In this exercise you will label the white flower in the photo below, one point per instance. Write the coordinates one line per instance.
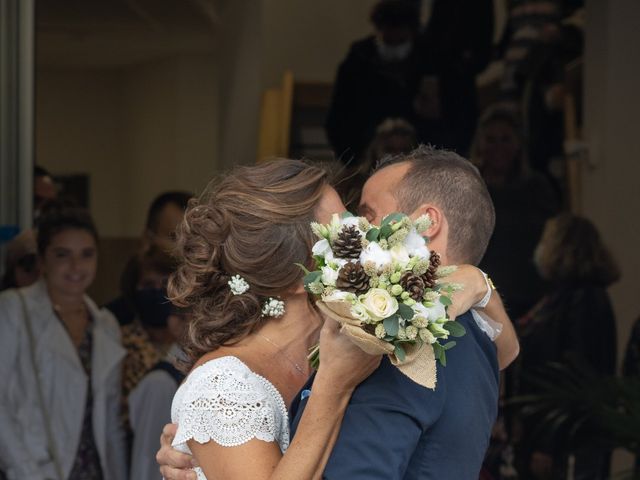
(436, 312)
(238, 285)
(339, 296)
(400, 254)
(416, 245)
(359, 311)
(427, 337)
(273, 308)
(380, 331)
(412, 332)
(438, 330)
(374, 253)
(420, 321)
(321, 248)
(379, 303)
(329, 276)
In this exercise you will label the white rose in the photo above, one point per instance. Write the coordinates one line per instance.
(321, 248)
(379, 303)
(329, 276)
(374, 253)
(400, 254)
(359, 311)
(416, 245)
(430, 313)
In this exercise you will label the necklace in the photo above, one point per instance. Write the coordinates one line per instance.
(281, 352)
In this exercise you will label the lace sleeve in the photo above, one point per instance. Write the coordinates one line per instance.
(223, 402)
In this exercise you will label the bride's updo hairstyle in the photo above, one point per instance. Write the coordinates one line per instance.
(253, 222)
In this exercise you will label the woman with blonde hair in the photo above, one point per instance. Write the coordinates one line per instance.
(575, 319)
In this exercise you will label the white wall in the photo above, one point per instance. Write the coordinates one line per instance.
(136, 131)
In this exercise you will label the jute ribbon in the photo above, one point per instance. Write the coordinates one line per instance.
(419, 363)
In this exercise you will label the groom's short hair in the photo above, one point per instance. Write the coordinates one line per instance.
(452, 183)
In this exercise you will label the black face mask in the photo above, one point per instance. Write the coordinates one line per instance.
(153, 307)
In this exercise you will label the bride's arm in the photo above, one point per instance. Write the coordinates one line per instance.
(475, 288)
(305, 458)
(343, 366)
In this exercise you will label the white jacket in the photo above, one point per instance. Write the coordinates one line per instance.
(23, 439)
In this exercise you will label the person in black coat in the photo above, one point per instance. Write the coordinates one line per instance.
(377, 80)
(455, 46)
(575, 320)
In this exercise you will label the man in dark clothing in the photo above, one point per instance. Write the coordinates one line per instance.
(455, 46)
(376, 81)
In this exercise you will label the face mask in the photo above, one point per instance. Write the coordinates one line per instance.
(393, 53)
(153, 307)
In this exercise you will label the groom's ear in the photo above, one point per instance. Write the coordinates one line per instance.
(438, 220)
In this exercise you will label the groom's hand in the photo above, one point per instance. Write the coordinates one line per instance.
(174, 465)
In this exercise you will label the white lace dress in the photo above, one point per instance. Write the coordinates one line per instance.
(223, 401)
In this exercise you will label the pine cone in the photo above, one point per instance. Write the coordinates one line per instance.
(413, 284)
(430, 277)
(348, 244)
(352, 278)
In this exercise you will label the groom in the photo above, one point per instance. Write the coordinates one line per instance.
(394, 428)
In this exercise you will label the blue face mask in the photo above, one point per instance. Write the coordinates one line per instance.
(152, 306)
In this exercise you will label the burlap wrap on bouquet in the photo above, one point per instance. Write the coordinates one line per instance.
(420, 362)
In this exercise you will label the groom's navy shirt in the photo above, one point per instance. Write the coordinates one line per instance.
(394, 428)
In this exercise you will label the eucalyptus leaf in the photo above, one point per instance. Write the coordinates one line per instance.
(455, 329)
(372, 235)
(385, 231)
(449, 345)
(400, 353)
(405, 311)
(347, 215)
(446, 301)
(392, 218)
(312, 277)
(391, 325)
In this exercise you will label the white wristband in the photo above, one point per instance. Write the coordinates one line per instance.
(487, 296)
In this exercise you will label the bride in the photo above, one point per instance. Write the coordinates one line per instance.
(252, 327)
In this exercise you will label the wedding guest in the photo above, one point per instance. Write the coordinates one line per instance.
(21, 263)
(60, 360)
(164, 214)
(146, 338)
(394, 136)
(44, 190)
(149, 402)
(376, 80)
(456, 45)
(575, 319)
(523, 200)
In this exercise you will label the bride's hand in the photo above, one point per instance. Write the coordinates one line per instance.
(174, 465)
(473, 291)
(343, 365)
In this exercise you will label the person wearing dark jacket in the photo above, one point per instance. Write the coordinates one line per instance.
(455, 46)
(575, 319)
(376, 80)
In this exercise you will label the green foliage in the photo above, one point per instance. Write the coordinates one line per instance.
(310, 278)
(455, 329)
(373, 234)
(391, 325)
(405, 311)
(399, 352)
(446, 301)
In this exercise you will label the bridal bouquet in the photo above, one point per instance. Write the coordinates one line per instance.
(386, 289)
